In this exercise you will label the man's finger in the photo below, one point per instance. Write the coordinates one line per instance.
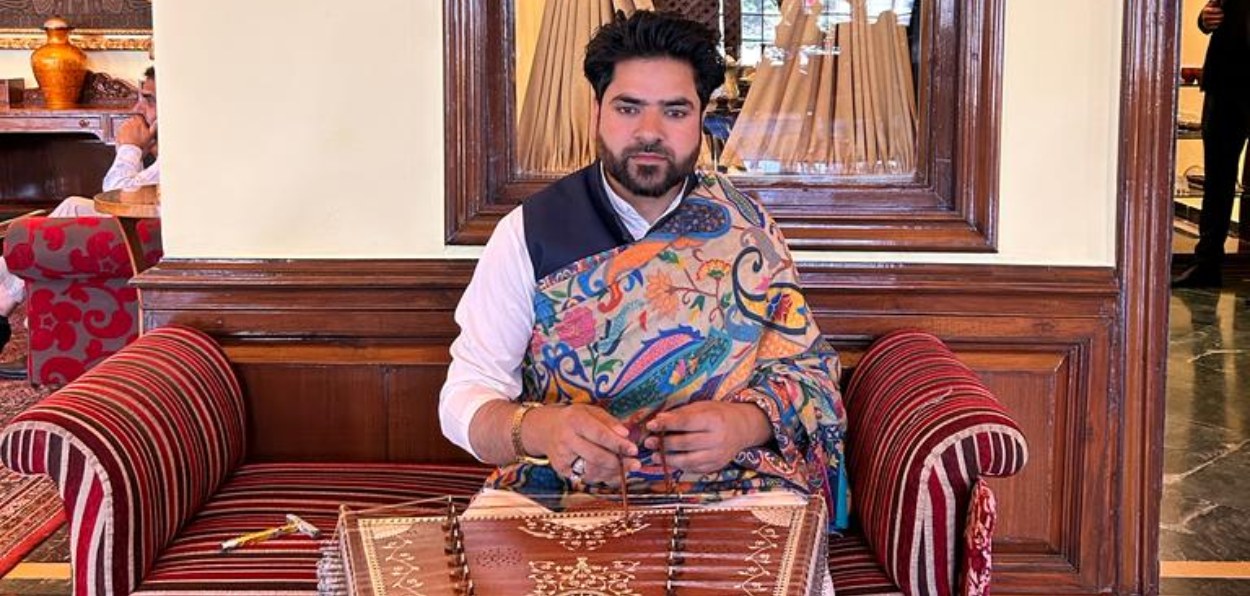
(608, 434)
(609, 421)
(611, 476)
(687, 419)
(680, 442)
(600, 465)
(669, 422)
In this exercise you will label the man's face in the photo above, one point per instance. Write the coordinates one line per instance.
(146, 105)
(649, 125)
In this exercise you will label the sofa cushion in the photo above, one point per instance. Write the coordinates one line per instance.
(258, 496)
(855, 570)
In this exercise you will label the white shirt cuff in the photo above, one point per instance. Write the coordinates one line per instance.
(456, 419)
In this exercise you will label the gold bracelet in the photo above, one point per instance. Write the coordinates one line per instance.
(518, 447)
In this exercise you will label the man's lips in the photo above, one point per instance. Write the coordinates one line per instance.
(649, 157)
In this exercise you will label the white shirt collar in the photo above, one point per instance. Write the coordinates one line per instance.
(637, 225)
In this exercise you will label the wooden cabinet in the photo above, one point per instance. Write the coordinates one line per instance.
(98, 122)
(47, 155)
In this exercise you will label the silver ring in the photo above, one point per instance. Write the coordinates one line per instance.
(578, 467)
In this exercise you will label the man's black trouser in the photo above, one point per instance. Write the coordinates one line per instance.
(1225, 126)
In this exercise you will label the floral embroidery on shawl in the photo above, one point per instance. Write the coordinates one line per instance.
(706, 306)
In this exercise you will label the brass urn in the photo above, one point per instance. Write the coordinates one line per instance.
(59, 66)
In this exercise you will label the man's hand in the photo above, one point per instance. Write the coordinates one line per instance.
(1212, 16)
(564, 434)
(704, 437)
(134, 131)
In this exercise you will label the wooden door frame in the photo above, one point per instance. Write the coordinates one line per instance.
(1144, 247)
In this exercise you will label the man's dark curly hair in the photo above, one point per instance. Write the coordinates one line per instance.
(648, 34)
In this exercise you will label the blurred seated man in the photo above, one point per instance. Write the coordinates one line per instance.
(135, 165)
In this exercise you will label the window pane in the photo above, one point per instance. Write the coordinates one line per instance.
(821, 89)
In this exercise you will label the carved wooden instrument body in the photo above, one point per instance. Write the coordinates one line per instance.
(775, 550)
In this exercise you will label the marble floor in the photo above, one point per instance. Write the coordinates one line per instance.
(1204, 535)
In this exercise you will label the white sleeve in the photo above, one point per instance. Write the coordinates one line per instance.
(496, 316)
(128, 172)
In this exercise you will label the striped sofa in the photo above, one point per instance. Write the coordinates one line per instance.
(148, 450)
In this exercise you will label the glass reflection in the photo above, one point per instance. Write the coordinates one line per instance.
(813, 88)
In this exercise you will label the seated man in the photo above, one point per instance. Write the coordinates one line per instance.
(637, 306)
(136, 145)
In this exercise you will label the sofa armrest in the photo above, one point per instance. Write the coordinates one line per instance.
(73, 248)
(923, 430)
(135, 446)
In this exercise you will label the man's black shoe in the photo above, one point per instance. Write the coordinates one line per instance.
(13, 371)
(1199, 276)
(5, 332)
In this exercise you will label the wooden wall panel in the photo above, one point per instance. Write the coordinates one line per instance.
(1036, 388)
(310, 412)
(412, 407)
(1040, 509)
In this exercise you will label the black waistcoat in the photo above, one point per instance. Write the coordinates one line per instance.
(570, 220)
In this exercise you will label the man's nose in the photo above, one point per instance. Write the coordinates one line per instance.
(649, 126)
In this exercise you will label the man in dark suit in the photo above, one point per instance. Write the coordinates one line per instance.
(1225, 126)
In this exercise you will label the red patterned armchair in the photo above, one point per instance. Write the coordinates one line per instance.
(148, 450)
(80, 306)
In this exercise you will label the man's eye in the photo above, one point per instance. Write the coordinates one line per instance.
(627, 110)
(677, 113)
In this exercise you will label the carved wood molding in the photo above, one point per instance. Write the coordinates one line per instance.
(951, 205)
(99, 89)
(138, 40)
(212, 275)
(412, 300)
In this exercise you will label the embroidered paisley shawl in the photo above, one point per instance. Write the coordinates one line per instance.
(706, 306)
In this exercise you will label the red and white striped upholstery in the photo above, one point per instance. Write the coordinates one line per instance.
(136, 446)
(258, 496)
(923, 430)
(148, 451)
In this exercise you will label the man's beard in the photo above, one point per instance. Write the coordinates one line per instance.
(653, 180)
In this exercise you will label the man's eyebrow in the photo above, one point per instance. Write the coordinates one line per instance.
(668, 103)
(682, 102)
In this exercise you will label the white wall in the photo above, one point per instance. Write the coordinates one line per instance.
(316, 131)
